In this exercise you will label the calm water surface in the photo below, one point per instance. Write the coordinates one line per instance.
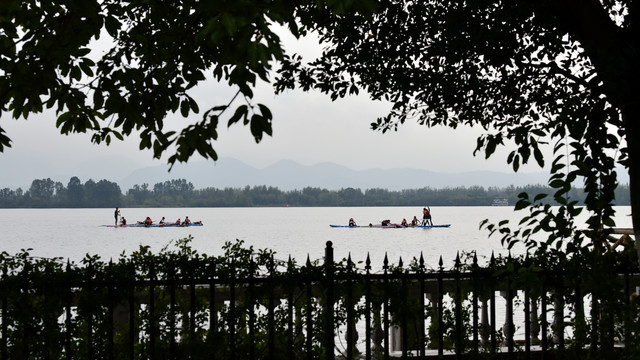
(299, 232)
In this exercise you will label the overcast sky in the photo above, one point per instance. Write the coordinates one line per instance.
(308, 128)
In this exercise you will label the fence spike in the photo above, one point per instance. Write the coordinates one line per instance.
(386, 261)
(458, 259)
(400, 262)
(308, 263)
(289, 264)
(475, 259)
(367, 263)
(421, 264)
(493, 259)
(440, 263)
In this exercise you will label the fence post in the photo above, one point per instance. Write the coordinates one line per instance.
(458, 303)
(421, 335)
(110, 307)
(5, 312)
(91, 295)
(509, 327)
(558, 313)
(152, 311)
(474, 277)
(271, 311)
(232, 309)
(440, 309)
(309, 288)
(172, 308)
(527, 314)
(367, 313)
(404, 334)
(330, 332)
(385, 307)
(213, 315)
(492, 304)
(543, 318)
(67, 308)
(132, 309)
(352, 335)
(252, 314)
(290, 308)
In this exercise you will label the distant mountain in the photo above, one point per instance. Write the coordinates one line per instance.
(289, 175)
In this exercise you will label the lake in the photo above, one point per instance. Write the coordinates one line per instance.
(298, 232)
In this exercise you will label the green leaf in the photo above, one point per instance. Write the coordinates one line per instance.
(609, 222)
(63, 119)
(98, 99)
(5, 142)
(539, 197)
(241, 111)
(266, 113)
(537, 154)
(112, 25)
(86, 67)
(257, 127)
(76, 73)
(194, 105)
(556, 184)
(490, 149)
(521, 204)
(184, 108)
(516, 163)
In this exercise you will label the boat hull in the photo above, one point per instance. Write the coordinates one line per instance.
(155, 225)
(392, 226)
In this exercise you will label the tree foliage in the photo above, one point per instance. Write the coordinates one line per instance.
(529, 73)
(562, 72)
(157, 51)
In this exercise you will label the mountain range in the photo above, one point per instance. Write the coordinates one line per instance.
(290, 175)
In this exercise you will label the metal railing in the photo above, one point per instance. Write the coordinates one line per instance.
(203, 308)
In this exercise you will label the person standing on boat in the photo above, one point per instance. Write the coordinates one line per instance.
(116, 214)
(426, 216)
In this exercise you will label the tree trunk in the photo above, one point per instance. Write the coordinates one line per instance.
(633, 146)
(613, 52)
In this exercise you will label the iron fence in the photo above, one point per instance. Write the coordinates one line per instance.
(206, 308)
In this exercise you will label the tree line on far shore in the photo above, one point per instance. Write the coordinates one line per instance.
(46, 193)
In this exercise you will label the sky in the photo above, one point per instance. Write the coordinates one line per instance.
(307, 128)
